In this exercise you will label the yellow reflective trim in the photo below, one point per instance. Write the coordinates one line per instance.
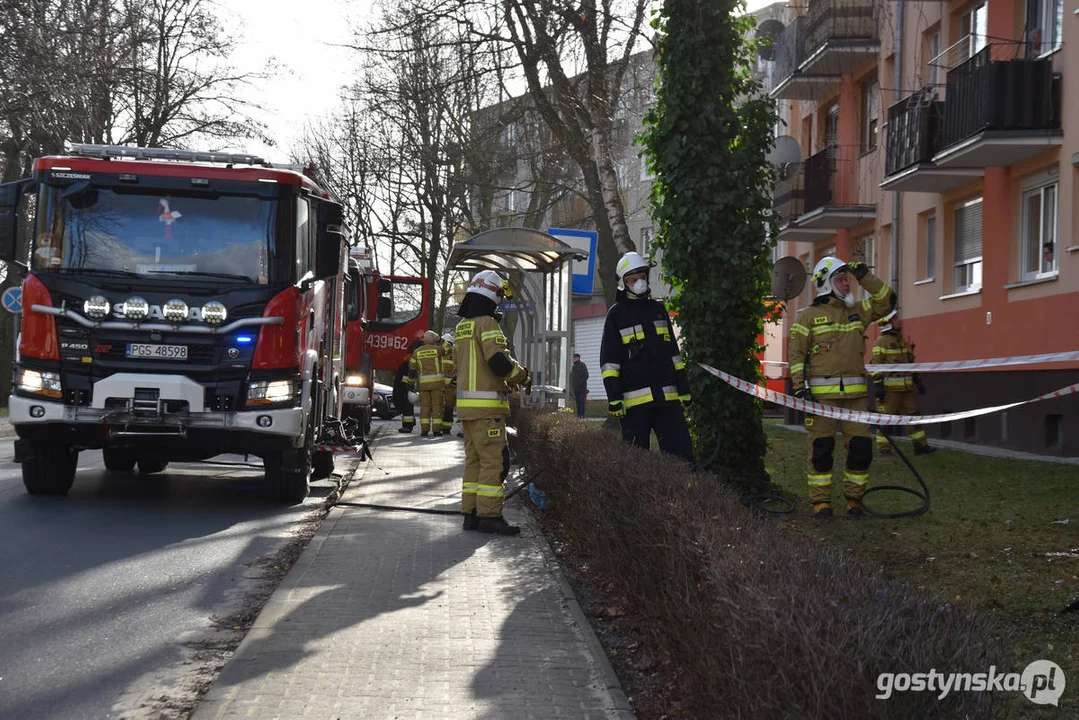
(801, 329)
(878, 350)
(627, 339)
(882, 293)
(671, 396)
(797, 367)
(483, 404)
(490, 490)
(819, 478)
(611, 373)
(490, 334)
(856, 478)
(638, 401)
(464, 329)
(469, 487)
(678, 364)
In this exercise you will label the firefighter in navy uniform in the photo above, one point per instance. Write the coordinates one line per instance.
(827, 356)
(486, 374)
(643, 371)
(402, 383)
(895, 390)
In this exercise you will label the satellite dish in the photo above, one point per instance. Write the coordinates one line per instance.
(767, 32)
(788, 278)
(787, 151)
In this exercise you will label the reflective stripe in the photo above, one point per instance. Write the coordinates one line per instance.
(882, 293)
(678, 362)
(856, 478)
(611, 369)
(440, 376)
(887, 351)
(491, 334)
(897, 382)
(504, 404)
(469, 487)
(662, 329)
(671, 395)
(819, 478)
(481, 394)
(797, 367)
(838, 327)
(817, 381)
(686, 398)
(490, 490)
(838, 390)
(919, 435)
(800, 329)
(637, 397)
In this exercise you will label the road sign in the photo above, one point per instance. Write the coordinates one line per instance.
(12, 300)
(584, 271)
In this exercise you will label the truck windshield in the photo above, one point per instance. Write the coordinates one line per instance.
(83, 228)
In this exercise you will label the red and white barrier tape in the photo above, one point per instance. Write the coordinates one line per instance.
(975, 364)
(339, 448)
(863, 416)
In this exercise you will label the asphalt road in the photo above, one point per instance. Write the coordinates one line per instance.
(105, 593)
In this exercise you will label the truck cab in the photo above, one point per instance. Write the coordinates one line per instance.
(177, 306)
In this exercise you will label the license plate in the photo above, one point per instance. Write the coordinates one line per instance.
(157, 352)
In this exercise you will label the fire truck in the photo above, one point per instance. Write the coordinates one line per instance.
(394, 312)
(177, 305)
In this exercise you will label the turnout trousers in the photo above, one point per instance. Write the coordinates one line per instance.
(431, 408)
(667, 420)
(486, 466)
(901, 403)
(822, 444)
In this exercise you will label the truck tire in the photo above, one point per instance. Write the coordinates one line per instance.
(50, 469)
(288, 475)
(321, 465)
(149, 464)
(118, 459)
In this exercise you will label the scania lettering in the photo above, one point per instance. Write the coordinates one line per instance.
(176, 306)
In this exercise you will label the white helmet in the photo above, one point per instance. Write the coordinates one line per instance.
(628, 263)
(430, 336)
(490, 285)
(826, 268)
(886, 321)
(448, 337)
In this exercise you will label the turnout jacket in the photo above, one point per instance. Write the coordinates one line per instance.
(827, 345)
(427, 363)
(481, 355)
(639, 356)
(891, 349)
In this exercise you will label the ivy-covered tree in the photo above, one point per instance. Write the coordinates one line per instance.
(707, 140)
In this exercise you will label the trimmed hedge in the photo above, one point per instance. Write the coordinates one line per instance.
(759, 619)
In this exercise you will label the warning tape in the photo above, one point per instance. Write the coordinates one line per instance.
(339, 448)
(863, 416)
(972, 364)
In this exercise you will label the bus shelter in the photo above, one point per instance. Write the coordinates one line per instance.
(537, 319)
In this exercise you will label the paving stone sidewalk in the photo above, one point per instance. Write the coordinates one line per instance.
(391, 614)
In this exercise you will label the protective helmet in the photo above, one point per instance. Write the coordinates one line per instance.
(630, 262)
(448, 337)
(430, 336)
(886, 321)
(490, 285)
(826, 268)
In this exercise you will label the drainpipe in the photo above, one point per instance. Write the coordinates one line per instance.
(897, 196)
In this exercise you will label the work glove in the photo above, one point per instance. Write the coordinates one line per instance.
(803, 393)
(615, 409)
(857, 269)
(919, 384)
(527, 382)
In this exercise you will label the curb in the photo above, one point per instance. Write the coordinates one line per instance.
(621, 707)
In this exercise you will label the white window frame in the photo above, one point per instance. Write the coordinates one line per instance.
(966, 274)
(1050, 21)
(976, 20)
(930, 249)
(933, 52)
(870, 113)
(647, 234)
(1047, 232)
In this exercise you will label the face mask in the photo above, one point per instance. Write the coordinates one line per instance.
(848, 300)
(639, 287)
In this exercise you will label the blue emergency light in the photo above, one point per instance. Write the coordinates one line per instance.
(244, 339)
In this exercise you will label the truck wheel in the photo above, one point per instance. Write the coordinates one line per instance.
(151, 464)
(287, 475)
(321, 465)
(50, 469)
(118, 459)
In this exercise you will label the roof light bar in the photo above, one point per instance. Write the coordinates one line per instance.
(121, 151)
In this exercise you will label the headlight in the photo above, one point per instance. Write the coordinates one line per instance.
(214, 313)
(96, 307)
(39, 383)
(136, 308)
(175, 311)
(266, 392)
(354, 380)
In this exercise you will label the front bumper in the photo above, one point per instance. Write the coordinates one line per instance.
(355, 395)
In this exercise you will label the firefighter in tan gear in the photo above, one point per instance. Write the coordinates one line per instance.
(486, 374)
(895, 390)
(450, 395)
(827, 357)
(427, 363)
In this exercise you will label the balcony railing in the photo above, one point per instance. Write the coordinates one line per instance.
(828, 177)
(839, 20)
(788, 201)
(915, 131)
(790, 49)
(994, 90)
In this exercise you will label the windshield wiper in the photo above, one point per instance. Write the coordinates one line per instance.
(227, 276)
(95, 271)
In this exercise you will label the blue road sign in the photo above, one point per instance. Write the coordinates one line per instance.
(12, 299)
(584, 271)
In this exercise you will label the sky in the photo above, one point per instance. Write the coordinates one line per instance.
(303, 37)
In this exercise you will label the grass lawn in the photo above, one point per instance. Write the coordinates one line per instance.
(994, 538)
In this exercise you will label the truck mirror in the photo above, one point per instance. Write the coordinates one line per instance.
(328, 255)
(352, 298)
(10, 194)
(385, 307)
(384, 286)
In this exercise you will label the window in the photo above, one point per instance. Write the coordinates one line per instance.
(967, 255)
(646, 241)
(870, 113)
(1045, 26)
(305, 225)
(1038, 239)
(929, 252)
(973, 29)
(932, 51)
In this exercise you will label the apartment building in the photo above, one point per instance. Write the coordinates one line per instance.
(940, 145)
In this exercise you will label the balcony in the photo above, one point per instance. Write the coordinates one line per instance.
(1000, 109)
(835, 38)
(915, 135)
(820, 197)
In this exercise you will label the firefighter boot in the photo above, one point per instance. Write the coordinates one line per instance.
(925, 449)
(471, 521)
(822, 512)
(855, 508)
(498, 526)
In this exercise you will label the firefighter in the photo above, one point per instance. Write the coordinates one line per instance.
(487, 373)
(643, 371)
(827, 356)
(426, 363)
(450, 372)
(402, 384)
(895, 391)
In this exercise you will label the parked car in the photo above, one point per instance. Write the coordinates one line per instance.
(382, 404)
